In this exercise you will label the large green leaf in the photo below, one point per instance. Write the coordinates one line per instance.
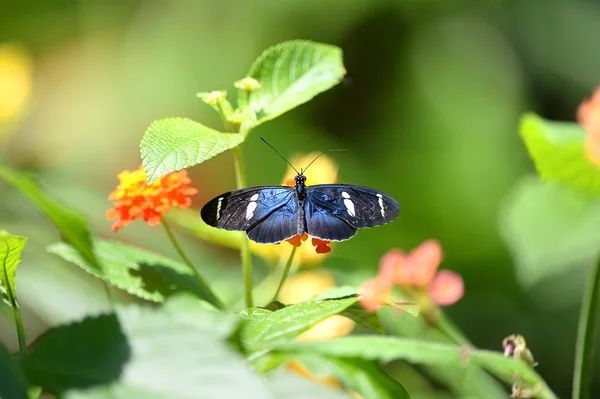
(10, 256)
(356, 374)
(179, 351)
(141, 273)
(291, 321)
(557, 149)
(549, 228)
(12, 379)
(280, 386)
(290, 74)
(71, 225)
(416, 351)
(93, 351)
(177, 143)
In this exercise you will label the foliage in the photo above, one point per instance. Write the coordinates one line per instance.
(171, 336)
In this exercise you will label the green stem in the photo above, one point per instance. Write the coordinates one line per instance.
(20, 331)
(286, 272)
(588, 325)
(448, 328)
(12, 298)
(245, 252)
(212, 297)
(225, 120)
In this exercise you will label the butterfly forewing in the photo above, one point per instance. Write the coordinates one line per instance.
(244, 209)
(357, 206)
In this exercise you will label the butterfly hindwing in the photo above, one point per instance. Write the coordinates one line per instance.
(279, 225)
(324, 223)
(246, 208)
(357, 206)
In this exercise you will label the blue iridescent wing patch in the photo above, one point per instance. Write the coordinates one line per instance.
(247, 208)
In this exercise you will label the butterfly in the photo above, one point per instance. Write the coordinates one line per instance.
(272, 214)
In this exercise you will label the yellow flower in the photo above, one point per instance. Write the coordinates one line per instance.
(322, 171)
(15, 80)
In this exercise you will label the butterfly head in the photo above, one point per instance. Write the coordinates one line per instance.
(300, 180)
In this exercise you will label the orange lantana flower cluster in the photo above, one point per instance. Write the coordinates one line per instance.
(588, 115)
(417, 269)
(134, 199)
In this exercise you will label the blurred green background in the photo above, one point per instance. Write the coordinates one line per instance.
(429, 112)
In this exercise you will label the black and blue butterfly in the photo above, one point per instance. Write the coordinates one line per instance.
(271, 214)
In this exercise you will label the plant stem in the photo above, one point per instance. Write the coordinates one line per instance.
(20, 331)
(245, 252)
(286, 272)
(213, 298)
(224, 119)
(12, 298)
(17, 316)
(586, 333)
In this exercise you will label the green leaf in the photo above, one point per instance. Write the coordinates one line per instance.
(291, 321)
(173, 144)
(77, 355)
(548, 228)
(290, 74)
(358, 375)
(179, 351)
(12, 380)
(420, 352)
(557, 149)
(141, 273)
(71, 225)
(10, 256)
(281, 385)
(255, 313)
(358, 313)
(363, 317)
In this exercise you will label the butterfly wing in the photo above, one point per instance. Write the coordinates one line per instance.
(266, 213)
(334, 211)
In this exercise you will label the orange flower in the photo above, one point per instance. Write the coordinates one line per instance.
(134, 199)
(588, 115)
(417, 269)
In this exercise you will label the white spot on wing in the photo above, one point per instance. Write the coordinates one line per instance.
(254, 197)
(250, 210)
(349, 206)
(219, 204)
(381, 204)
(345, 194)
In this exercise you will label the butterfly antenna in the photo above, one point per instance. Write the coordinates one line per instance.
(282, 157)
(318, 156)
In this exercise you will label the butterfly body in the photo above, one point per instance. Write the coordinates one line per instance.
(271, 214)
